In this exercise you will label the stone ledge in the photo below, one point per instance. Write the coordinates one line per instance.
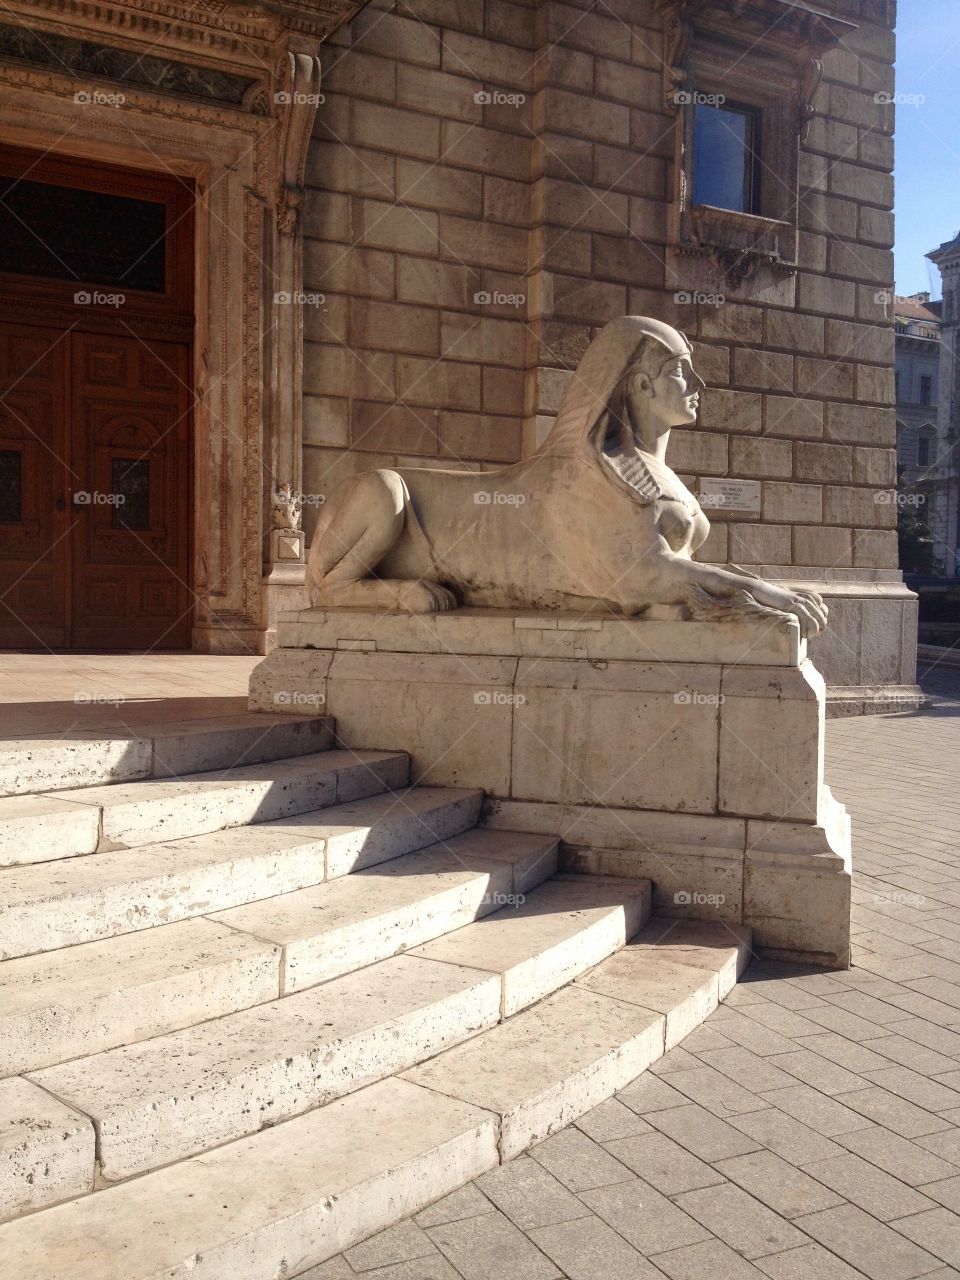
(501, 633)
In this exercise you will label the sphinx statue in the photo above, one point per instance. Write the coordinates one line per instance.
(594, 520)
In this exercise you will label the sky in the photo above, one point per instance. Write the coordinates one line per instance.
(927, 139)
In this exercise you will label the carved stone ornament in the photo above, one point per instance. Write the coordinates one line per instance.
(287, 509)
(594, 520)
(209, 49)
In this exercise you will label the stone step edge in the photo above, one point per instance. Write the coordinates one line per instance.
(514, 879)
(163, 751)
(556, 971)
(620, 1065)
(88, 818)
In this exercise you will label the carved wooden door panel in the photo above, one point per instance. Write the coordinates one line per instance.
(130, 455)
(34, 520)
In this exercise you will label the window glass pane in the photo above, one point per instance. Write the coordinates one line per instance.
(11, 486)
(130, 489)
(724, 157)
(923, 451)
(65, 233)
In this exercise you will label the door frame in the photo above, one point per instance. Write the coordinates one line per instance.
(247, 166)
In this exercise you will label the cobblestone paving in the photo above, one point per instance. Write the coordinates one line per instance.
(809, 1130)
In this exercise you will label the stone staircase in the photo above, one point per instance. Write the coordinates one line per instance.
(260, 997)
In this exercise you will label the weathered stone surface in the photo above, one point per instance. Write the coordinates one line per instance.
(158, 809)
(549, 937)
(191, 1090)
(46, 1149)
(359, 919)
(91, 997)
(41, 828)
(79, 900)
(264, 1204)
(592, 1046)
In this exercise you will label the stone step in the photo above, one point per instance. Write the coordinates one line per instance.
(164, 809)
(47, 1150)
(60, 904)
(77, 998)
(182, 1093)
(294, 1194)
(92, 997)
(364, 833)
(550, 936)
(92, 757)
(354, 921)
(269, 1205)
(548, 1065)
(680, 968)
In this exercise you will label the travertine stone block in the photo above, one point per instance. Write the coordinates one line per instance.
(606, 722)
(46, 1149)
(594, 1046)
(417, 1146)
(771, 763)
(817, 545)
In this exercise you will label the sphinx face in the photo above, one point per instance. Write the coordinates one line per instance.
(672, 398)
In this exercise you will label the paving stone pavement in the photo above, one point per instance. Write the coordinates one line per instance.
(809, 1130)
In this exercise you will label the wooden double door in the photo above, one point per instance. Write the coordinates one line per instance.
(94, 490)
(95, 399)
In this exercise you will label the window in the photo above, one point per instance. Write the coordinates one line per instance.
(923, 451)
(926, 389)
(726, 157)
(93, 237)
(741, 79)
(896, 385)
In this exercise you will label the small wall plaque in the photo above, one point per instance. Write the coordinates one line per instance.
(718, 495)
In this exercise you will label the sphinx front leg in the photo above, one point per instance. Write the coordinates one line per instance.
(354, 534)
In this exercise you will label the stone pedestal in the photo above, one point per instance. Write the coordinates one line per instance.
(690, 753)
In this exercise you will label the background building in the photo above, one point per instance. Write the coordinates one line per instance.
(945, 470)
(475, 190)
(917, 330)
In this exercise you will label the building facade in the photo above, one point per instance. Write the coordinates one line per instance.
(407, 220)
(917, 339)
(944, 479)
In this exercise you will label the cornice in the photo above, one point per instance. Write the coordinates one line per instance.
(241, 38)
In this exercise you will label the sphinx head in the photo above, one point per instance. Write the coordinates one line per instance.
(660, 388)
(637, 378)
